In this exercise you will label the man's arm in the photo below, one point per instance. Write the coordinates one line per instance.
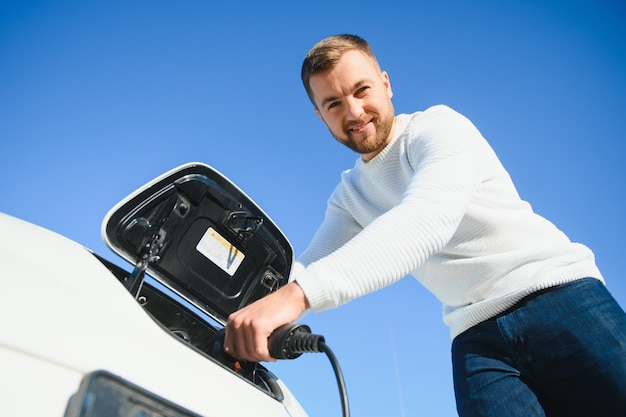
(248, 329)
(448, 160)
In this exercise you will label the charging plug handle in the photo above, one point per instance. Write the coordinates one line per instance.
(292, 340)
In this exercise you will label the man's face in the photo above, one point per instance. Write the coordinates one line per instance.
(354, 101)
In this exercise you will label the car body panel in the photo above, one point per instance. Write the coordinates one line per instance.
(65, 315)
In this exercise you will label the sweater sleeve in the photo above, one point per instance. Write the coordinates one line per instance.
(336, 230)
(444, 151)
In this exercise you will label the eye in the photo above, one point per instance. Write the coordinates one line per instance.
(332, 105)
(361, 90)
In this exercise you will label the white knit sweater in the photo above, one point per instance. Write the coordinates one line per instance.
(436, 203)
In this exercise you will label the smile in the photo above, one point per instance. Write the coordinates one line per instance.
(360, 127)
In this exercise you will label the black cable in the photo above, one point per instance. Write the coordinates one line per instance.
(339, 375)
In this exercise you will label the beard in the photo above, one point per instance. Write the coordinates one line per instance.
(372, 142)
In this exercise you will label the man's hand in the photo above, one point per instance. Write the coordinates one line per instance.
(249, 328)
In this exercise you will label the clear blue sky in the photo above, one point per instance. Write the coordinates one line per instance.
(97, 98)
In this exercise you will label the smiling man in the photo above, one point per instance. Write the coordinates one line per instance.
(354, 101)
(535, 331)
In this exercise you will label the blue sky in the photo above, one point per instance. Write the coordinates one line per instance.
(97, 98)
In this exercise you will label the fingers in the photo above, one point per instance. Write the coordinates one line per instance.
(247, 337)
(248, 329)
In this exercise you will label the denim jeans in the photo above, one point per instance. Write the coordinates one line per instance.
(558, 353)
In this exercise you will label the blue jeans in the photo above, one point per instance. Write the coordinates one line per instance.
(559, 352)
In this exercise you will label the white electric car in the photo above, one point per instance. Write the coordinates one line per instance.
(80, 336)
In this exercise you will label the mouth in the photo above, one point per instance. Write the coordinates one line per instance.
(357, 129)
(361, 126)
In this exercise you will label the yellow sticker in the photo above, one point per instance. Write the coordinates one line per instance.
(220, 251)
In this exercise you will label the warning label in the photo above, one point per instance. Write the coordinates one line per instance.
(220, 251)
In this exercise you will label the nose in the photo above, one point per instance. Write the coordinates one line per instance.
(354, 108)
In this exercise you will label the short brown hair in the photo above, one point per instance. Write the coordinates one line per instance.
(327, 52)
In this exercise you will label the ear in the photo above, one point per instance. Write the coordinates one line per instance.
(319, 114)
(385, 78)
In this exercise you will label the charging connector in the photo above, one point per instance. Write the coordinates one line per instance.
(292, 340)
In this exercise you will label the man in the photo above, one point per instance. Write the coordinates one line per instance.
(535, 332)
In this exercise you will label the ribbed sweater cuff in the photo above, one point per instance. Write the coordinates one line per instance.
(317, 295)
